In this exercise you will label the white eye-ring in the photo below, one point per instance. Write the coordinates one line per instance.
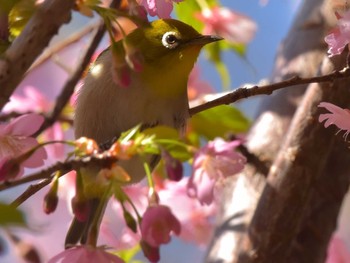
(170, 40)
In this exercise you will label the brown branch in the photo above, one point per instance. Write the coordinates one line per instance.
(51, 50)
(37, 34)
(243, 93)
(291, 181)
(69, 87)
(48, 174)
(31, 190)
(63, 167)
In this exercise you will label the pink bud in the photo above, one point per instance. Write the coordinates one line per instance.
(173, 167)
(81, 208)
(133, 57)
(9, 169)
(152, 253)
(50, 202)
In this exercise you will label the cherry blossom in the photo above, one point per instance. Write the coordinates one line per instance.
(337, 116)
(214, 161)
(34, 101)
(337, 251)
(196, 220)
(157, 224)
(85, 254)
(114, 230)
(232, 26)
(196, 86)
(15, 140)
(339, 37)
(160, 8)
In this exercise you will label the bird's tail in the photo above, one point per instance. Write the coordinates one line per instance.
(79, 230)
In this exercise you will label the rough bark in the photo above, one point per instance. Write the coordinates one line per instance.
(30, 44)
(293, 176)
(300, 54)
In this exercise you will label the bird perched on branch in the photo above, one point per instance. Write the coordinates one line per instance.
(142, 79)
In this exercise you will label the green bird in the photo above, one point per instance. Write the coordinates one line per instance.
(156, 94)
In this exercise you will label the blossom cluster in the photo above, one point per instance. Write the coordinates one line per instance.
(181, 206)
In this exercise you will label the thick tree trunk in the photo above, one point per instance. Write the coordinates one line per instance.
(293, 177)
(300, 54)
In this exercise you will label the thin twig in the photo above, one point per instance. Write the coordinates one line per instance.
(64, 167)
(48, 174)
(69, 87)
(51, 50)
(35, 37)
(31, 190)
(242, 93)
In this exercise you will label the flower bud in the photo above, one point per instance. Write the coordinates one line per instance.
(81, 208)
(9, 168)
(86, 145)
(50, 202)
(51, 198)
(120, 70)
(152, 253)
(123, 151)
(133, 57)
(173, 167)
(130, 221)
(138, 10)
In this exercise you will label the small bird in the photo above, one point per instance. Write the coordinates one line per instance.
(155, 95)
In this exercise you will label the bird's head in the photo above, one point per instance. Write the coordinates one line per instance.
(167, 41)
(169, 48)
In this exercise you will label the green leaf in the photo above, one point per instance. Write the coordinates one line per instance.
(169, 139)
(185, 12)
(219, 121)
(162, 132)
(20, 15)
(214, 53)
(128, 254)
(10, 216)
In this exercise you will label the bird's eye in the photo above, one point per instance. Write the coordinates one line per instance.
(170, 40)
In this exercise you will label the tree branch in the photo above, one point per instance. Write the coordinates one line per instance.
(292, 180)
(43, 25)
(242, 93)
(69, 87)
(51, 50)
(48, 174)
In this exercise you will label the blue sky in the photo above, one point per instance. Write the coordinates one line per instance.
(273, 22)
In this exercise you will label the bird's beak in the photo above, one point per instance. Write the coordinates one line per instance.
(202, 40)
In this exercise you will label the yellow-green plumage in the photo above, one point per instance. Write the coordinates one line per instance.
(156, 95)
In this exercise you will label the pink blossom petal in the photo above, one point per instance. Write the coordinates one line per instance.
(232, 26)
(197, 222)
(339, 37)
(202, 187)
(85, 254)
(337, 251)
(215, 160)
(157, 224)
(331, 107)
(160, 8)
(164, 8)
(338, 116)
(26, 125)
